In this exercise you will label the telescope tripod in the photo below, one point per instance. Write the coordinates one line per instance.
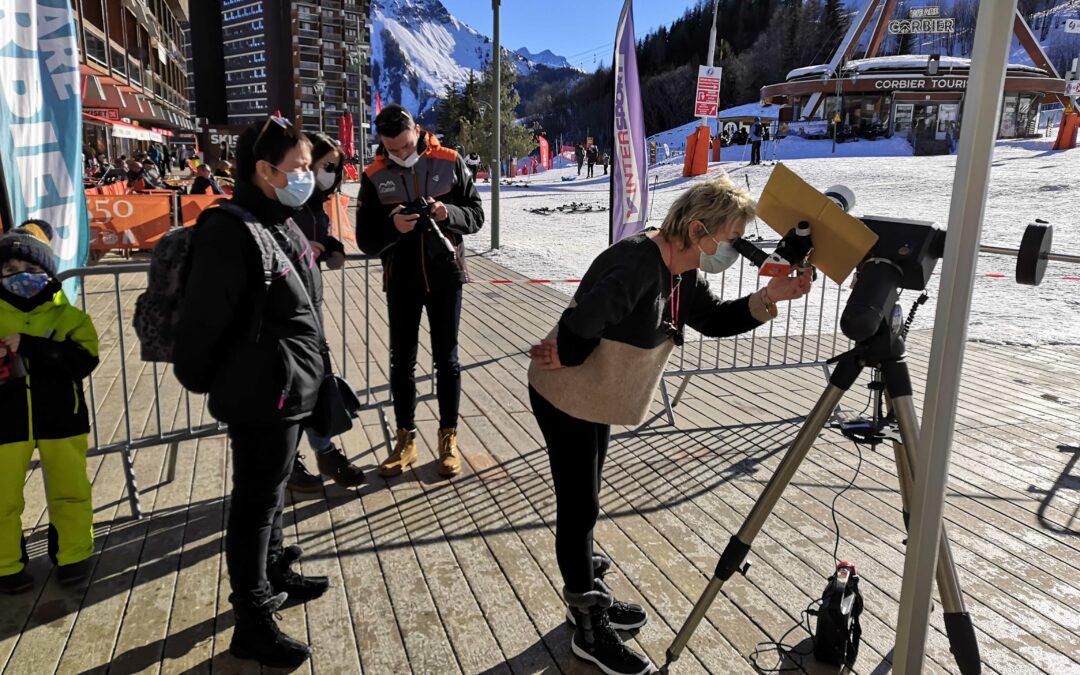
(885, 351)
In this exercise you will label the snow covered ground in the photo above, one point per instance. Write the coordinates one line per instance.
(1028, 181)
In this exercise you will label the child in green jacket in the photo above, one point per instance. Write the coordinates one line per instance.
(47, 348)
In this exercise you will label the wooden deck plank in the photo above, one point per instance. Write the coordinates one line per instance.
(426, 641)
(376, 634)
(809, 486)
(460, 576)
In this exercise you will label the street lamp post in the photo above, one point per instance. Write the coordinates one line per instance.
(320, 88)
(497, 121)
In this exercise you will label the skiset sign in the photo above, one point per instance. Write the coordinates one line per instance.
(707, 97)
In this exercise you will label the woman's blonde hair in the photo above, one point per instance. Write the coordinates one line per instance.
(713, 202)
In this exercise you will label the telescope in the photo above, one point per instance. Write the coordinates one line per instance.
(903, 258)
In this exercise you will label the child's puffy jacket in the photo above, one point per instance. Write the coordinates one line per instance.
(59, 348)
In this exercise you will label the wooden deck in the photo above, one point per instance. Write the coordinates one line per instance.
(433, 576)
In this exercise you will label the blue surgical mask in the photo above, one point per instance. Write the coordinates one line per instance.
(25, 284)
(298, 190)
(725, 257)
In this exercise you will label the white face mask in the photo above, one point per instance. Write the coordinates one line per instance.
(324, 179)
(408, 162)
(725, 257)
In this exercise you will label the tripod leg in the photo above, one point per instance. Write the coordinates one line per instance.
(958, 626)
(731, 560)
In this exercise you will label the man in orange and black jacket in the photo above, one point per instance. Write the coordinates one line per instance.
(417, 201)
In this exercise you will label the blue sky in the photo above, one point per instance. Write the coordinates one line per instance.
(581, 30)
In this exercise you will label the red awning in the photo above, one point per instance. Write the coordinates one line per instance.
(124, 130)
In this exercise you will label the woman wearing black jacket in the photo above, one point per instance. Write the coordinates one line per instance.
(601, 366)
(328, 166)
(256, 348)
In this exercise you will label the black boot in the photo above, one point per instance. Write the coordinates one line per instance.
(621, 615)
(21, 581)
(335, 465)
(258, 638)
(596, 641)
(601, 564)
(283, 579)
(69, 575)
(302, 480)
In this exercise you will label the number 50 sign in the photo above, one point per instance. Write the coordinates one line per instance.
(138, 218)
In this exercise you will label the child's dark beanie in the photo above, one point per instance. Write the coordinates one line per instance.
(31, 242)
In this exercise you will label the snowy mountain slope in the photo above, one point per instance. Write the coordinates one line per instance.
(546, 58)
(418, 47)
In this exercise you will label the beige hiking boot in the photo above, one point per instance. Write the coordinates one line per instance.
(404, 454)
(449, 462)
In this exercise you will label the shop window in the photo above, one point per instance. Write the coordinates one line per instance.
(1007, 127)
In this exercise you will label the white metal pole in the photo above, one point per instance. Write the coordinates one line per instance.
(712, 50)
(712, 36)
(497, 121)
(982, 109)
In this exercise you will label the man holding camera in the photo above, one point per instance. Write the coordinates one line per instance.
(417, 201)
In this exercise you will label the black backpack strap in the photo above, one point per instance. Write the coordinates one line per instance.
(271, 259)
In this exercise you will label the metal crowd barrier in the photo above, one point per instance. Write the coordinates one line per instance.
(137, 405)
(142, 405)
(805, 335)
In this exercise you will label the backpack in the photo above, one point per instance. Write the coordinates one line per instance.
(157, 309)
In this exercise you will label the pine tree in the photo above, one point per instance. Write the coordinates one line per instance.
(476, 130)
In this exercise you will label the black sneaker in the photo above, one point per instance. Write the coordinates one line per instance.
(20, 582)
(258, 638)
(283, 579)
(621, 616)
(596, 641)
(69, 575)
(302, 480)
(335, 465)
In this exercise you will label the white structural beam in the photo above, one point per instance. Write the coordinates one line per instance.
(982, 106)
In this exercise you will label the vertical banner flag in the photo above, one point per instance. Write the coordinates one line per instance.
(41, 123)
(545, 153)
(629, 180)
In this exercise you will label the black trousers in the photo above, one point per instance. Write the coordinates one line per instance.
(262, 458)
(443, 307)
(755, 152)
(576, 450)
(590, 173)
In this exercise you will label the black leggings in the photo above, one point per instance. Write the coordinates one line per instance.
(576, 450)
(262, 459)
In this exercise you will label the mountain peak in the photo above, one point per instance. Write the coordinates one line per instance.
(545, 58)
(419, 48)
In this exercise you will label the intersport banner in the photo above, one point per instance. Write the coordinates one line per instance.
(629, 182)
(41, 123)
